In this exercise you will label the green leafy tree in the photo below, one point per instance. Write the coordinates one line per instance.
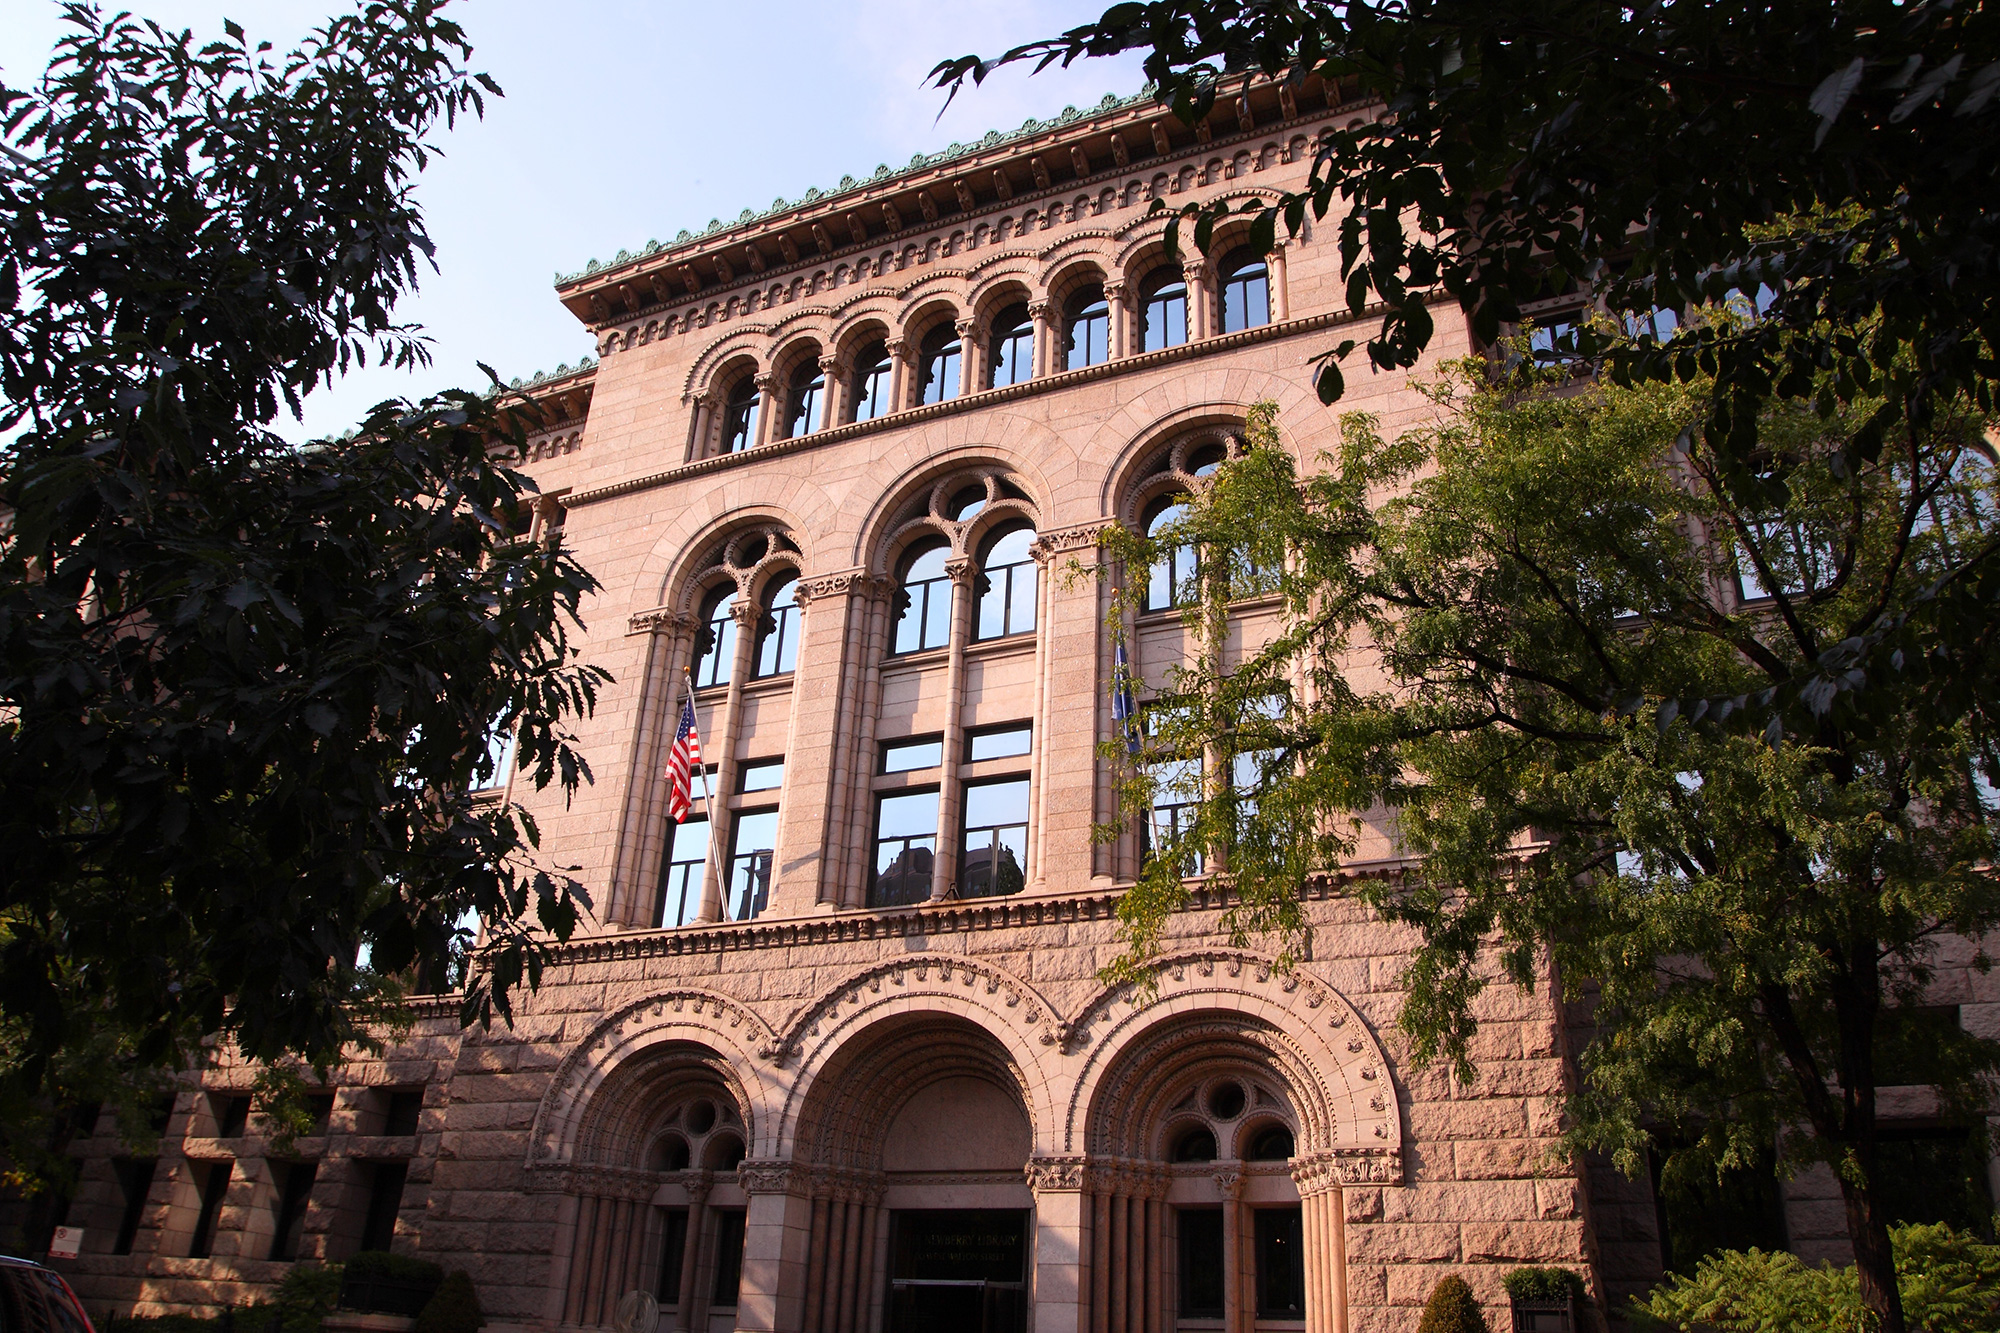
(249, 692)
(1501, 642)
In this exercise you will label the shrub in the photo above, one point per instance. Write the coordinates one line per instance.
(306, 1296)
(455, 1308)
(1950, 1283)
(378, 1282)
(1452, 1308)
(1548, 1286)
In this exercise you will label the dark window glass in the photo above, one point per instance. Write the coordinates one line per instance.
(924, 603)
(755, 840)
(135, 1183)
(994, 855)
(1087, 331)
(1007, 585)
(321, 1106)
(1246, 292)
(1700, 1212)
(762, 775)
(873, 375)
(1553, 340)
(232, 1114)
(1270, 1144)
(385, 1201)
(1013, 356)
(909, 756)
(1281, 1266)
(215, 1185)
(728, 1256)
(716, 648)
(405, 1108)
(939, 365)
(673, 1253)
(1170, 582)
(905, 848)
(1196, 1145)
(1176, 803)
(1164, 312)
(999, 742)
(808, 396)
(739, 417)
(1201, 1263)
(680, 887)
(294, 1194)
(1933, 1175)
(778, 636)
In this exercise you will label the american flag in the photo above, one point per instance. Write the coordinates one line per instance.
(681, 762)
(1124, 712)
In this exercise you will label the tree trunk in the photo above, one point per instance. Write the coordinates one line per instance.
(1874, 1260)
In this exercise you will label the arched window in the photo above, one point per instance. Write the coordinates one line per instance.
(1170, 581)
(1087, 329)
(1246, 291)
(924, 600)
(739, 417)
(716, 648)
(778, 636)
(1013, 350)
(872, 376)
(942, 353)
(1164, 311)
(1007, 584)
(808, 395)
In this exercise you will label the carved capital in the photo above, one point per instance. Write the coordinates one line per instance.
(1064, 540)
(1060, 1174)
(1115, 289)
(747, 615)
(1331, 1168)
(1038, 309)
(770, 1176)
(898, 346)
(832, 365)
(961, 570)
(847, 583)
(663, 621)
(1229, 1180)
(964, 327)
(767, 382)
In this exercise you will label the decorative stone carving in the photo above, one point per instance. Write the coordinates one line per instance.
(665, 620)
(1046, 1174)
(1041, 170)
(769, 1176)
(1061, 541)
(1002, 186)
(1080, 160)
(928, 205)
(965, 199)
(891, 217)
(1006, 995)
(1229, 1180)
(1161, 144)
(755, 256)
(857, 229)
(822, 238)
(1119, 152)
(788, 248)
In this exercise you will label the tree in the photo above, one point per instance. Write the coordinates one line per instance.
(1559, 580)
(249, 692)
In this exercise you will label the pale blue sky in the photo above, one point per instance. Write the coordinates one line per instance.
(625, 122)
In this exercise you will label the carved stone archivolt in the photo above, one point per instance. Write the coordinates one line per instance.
(996, 990)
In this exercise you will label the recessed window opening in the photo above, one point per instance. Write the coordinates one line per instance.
(1163, 311)
(778, 636)
(673, 1254)
(680, 886)
(1001, 742)
(752, 846)
(1226, 1100)
(1195, 1145)
(403, 1111)
(924, 603)
(715, 648)
(214, 1185)
(294, 1196)
(1171, 580)
(939, 368)
(1007, 584)
(1177, 790)
(1281, 1268)
(1207, 460)
(671, 1153)
(1269, 1143)
(724, 1152)
(874, 372)
(1246, 291)
(1013, 346)
(912, 755)
(385, 1201)
(135, 1183)
(739, 416)
(994, 858)
(761, 775)
(728, 1256)
(905, 848)
(1201, 1263)
(1087, 330)
(701, 1116)
(232, 1114)
(966, 503)
(807, 399)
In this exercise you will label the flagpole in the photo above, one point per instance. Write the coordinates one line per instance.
(708, 803)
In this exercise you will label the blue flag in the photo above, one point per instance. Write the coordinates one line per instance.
(1124, 711)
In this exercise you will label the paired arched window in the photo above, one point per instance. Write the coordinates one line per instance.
(716, 648)
(806, 401)
(873, 374)
(778, 636)
(923, 601)
(739, 416)
(1013, 346)
(1170, 582)
(1245, 289)
(1007, 584)
(941, 357)
(1087, 329)
(1163, 311)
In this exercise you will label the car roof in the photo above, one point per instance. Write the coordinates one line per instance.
(11, 1262)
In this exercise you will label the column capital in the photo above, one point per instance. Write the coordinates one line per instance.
(1055, 1174)
(961, 569)
(766, 381)
(747, 614)
(663, 621)
(1039, 309)
(898, 345)
(965, 327)
(1115, 289)
(770, 1176)
(1229, 1180)
(832, 365)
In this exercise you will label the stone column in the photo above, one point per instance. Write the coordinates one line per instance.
(816, 1265)
(1116, 296)
(944, 871)
(1323, 1209)
(642, 835)
(1274, 268)
(1237, 1304)
(1200, 306)
(971, 357)
(746, 615)
(697, 1190)
(702, 427)
(899, 374)
(1070, 691)
(869, 643)
(775, 1233)
(1045, 340)
(834, 411)
(770, 404)
(809, 819)
(1057, 1293)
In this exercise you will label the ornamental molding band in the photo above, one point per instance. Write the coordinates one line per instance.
(847, 582)
(769, 1177)
(996, 991)
(1059, 541)
(664, 620)
(686, 1014)
(1046, 1174)
(1330, 1168)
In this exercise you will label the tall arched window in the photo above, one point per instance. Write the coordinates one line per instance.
(873, 375)
(1013, 350)
(739, 417)
(1007, 584)
(924, 600)
(1169, 582)
(808, 394)
(778, 636)
(942, 353)
(1087, 329)
(1164, 311)
(1246, 291)
(716, 648)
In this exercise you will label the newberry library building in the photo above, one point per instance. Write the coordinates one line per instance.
(834, 1053)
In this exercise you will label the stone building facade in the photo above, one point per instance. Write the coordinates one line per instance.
(850, 1067)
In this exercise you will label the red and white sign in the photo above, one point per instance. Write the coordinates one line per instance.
(68, 1240)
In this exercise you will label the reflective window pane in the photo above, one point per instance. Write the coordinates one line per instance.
(994, 857)
(687, 861)
(909, 756)
(762, 775)
(905, 848)
(754, 844)
(1000, 743)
